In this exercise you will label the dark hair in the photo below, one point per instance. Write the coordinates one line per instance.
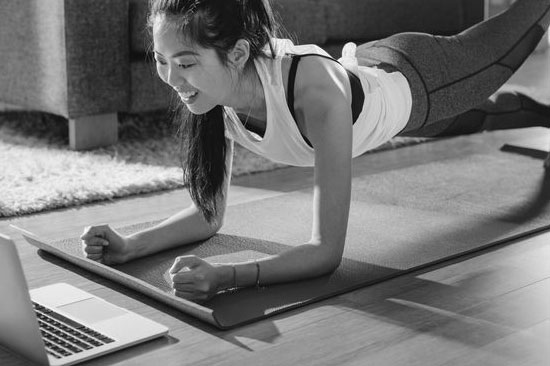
(218, 25)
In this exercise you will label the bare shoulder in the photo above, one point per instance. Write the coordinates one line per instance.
(319, 72)
(322, 92)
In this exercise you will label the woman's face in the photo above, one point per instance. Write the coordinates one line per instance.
(197, 74)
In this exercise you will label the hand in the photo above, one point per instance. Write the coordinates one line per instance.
(194, 278)
(103, 244)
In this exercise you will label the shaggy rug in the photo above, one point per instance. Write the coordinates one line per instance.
(39, 172)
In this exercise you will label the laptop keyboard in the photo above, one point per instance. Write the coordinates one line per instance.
(64, 337)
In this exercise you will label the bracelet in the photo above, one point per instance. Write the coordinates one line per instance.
(234, 276)
(257, 275)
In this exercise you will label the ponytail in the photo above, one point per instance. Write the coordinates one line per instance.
(259, 25)
(203, 138)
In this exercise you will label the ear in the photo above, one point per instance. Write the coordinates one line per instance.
(239, 54)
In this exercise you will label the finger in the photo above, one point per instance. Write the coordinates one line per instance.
(91, 231)
(183, 276)
(96, 241)
(94, 246)
(187, 275)
(189, 261)
(95, 249)
(94, 257)
(191, 296)
(184, 294)
(179, 264)
(187, 287)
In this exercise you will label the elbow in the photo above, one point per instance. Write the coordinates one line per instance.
(328, 261)
(325, 267)
(210, 227)
(214, 227)
(218, 222)
(332, 264)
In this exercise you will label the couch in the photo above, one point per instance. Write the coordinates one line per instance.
(88, 60)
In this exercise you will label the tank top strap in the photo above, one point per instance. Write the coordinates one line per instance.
(357, 93)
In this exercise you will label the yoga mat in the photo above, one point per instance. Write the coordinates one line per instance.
(400, 221)
(535, 147)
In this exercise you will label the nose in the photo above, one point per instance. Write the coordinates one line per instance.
(174, 78)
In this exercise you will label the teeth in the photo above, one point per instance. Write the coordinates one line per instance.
(188, 95)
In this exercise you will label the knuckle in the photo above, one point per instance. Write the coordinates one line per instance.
(175, 279)
(100, 241)
(182, 259)
(105, 228)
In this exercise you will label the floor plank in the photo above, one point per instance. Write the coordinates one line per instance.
(487, 308)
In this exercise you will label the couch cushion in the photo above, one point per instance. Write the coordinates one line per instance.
(148, 92)
(373, 19)
(97, 62)
(33, 56)
(139, 39)
(53, 62)
(302, 20)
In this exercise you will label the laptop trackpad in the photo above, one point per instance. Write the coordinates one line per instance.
(92, 310)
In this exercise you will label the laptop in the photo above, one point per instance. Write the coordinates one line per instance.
(61, 324)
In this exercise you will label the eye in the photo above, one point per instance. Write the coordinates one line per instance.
(185, 66)
(161, 62)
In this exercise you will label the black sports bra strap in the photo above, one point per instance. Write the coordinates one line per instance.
(358, 97)
(291, 80)
(313, 54)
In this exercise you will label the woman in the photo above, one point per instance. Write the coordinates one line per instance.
(223, 59)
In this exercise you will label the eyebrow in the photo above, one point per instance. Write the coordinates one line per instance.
(181, 53)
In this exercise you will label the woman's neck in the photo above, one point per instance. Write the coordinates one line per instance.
(250, 93)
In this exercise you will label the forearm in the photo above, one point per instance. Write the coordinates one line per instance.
(298, 263)
(185, 227)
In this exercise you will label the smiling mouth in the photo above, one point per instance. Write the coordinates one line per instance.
(187, 97)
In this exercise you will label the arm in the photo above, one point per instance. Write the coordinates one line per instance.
(185, 227)
(324, 107)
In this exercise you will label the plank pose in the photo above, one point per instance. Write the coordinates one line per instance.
(297, 105)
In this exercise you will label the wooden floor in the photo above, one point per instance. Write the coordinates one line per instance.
(490, 308)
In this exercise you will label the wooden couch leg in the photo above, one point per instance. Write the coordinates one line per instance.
(93, 131)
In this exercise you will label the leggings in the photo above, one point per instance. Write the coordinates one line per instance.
(451, 78)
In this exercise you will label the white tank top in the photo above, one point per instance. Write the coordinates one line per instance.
(385, 111)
